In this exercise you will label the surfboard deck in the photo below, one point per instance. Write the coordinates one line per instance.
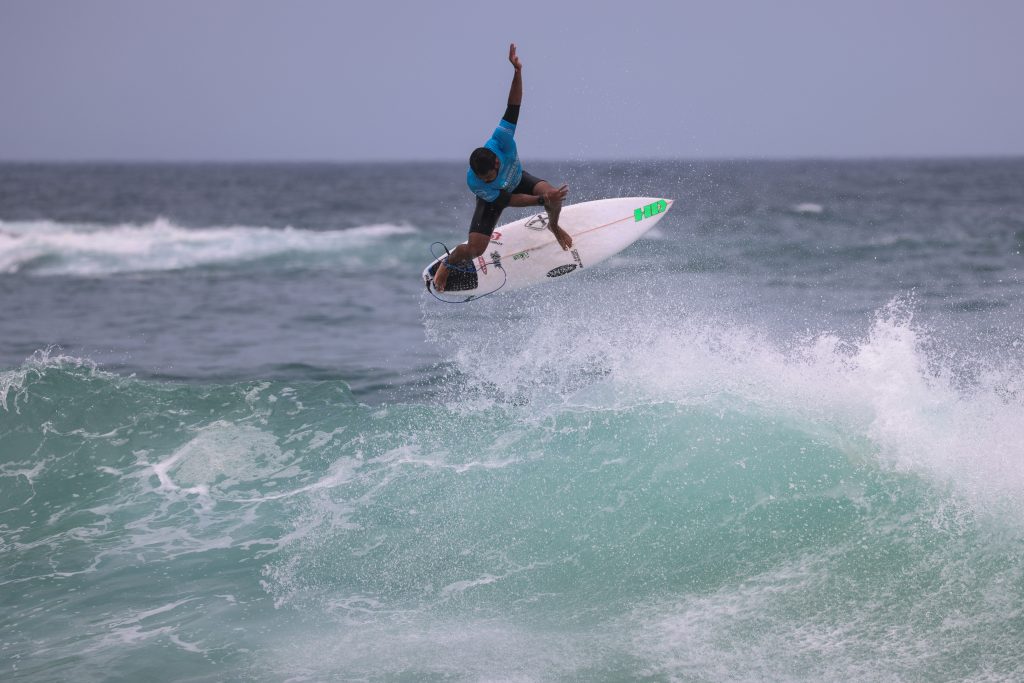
(525, 252)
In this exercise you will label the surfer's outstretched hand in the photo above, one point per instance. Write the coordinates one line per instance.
(513, 57)
(555, 197)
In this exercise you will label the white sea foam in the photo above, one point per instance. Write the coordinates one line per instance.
(22, 469)
(411, 455)
(51, 248)
(906, 404)
(221, 459)
(340, 473)
(422, 646)
(696, 636)
(129, 629)
(462, 586)
(808, 207)
(886, 387)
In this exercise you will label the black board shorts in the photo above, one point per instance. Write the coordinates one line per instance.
(486, 215)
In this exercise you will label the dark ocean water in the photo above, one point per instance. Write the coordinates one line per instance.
(779, 438)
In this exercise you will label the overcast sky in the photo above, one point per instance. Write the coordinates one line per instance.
(384, 80)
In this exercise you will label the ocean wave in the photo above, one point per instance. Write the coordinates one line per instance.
(83, 249)
(14, 382)
(696, 497)
(890, 396)
(808, 208)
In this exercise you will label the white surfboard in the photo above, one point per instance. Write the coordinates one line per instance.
(525, 252)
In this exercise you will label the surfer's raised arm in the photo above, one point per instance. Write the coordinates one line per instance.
(515, 99)
(515, 93)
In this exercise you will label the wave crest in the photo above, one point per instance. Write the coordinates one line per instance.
(892, 395)
(84, 249)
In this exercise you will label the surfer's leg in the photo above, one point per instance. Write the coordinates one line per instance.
(476, 246)
(485, 217)
(553, 205)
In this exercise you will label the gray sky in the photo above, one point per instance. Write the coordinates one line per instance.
(384, 80)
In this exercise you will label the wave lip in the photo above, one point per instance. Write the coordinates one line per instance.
(85, 249)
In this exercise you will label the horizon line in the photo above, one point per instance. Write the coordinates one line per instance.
(599, 160)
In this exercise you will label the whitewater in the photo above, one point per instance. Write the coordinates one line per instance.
(779, 439)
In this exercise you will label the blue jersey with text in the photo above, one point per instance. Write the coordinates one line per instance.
(510, 171)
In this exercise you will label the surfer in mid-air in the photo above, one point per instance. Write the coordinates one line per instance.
(498, 180)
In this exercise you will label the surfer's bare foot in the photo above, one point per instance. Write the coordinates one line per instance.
(553, 205)
(564, 238)
(440, 276)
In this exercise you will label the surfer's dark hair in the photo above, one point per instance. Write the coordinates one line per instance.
(482, 161)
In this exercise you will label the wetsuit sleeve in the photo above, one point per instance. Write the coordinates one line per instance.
(506, 129)
(511, 114)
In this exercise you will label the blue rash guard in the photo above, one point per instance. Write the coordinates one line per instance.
(510, 171)
(493, 197)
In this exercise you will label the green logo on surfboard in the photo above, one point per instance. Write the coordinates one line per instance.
(650, 210)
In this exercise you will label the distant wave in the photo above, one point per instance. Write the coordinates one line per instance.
(808, 207)
(51, 248)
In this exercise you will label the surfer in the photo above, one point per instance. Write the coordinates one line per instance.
(498, 180)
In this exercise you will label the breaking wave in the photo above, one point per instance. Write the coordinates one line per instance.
(83, 249)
